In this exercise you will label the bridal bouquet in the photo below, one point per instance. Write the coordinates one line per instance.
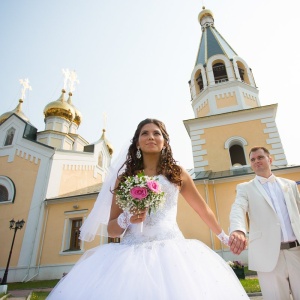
(140, 192)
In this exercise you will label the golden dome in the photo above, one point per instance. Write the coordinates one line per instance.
(204, 13)
(78, 116)
(108, 144)
(17, 111)
(60, 108)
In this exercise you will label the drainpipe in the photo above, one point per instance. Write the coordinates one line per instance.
(28, 267)
(49, 165)
(41, 246)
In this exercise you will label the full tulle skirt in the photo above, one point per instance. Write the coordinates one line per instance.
(174, 269)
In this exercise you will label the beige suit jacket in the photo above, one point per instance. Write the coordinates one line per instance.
(264, 228)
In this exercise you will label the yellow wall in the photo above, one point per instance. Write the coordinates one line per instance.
(250, 100)
(204, 109)
(18, 170)
(226, 100)
(55, 221)
(191, 224)
(218, 157)
(75, 178)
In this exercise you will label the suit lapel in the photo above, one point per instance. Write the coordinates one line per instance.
(263, 192)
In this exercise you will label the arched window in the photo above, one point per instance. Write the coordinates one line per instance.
(9, 136)
(236, 146)
(7, 190)
(243, 72)
(237, 156)
(3, 193)
(200, 85)
(220, 73)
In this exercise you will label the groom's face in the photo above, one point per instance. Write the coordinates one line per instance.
(261, 163)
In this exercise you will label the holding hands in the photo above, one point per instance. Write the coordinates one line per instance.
(237, 242)
(223, 237)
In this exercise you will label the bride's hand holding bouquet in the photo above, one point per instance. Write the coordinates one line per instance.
(136, 195)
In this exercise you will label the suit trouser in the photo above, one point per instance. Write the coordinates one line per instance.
(285, 278)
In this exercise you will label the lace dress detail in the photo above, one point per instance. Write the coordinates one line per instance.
(160, 225)
(155, 264)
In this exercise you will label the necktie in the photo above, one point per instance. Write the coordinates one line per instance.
(264, 180)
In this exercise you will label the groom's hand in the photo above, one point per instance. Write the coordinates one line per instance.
(237, 242)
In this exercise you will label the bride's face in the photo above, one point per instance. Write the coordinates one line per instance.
(150, 139)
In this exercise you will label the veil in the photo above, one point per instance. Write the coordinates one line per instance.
(97, 220)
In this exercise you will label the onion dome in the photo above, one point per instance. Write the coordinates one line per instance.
(60, 108)
(18, 111)
(205, 13)
(212, 43)
(108, 144)
(78, 116)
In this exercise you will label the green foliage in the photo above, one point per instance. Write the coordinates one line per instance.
(251, 285)
(39, 295)
(32, 284)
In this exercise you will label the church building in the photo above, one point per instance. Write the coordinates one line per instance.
(49, 179)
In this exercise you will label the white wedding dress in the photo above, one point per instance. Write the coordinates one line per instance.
(155, 264)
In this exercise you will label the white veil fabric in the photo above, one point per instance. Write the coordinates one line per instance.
(97, 220)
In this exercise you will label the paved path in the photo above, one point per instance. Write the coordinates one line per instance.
(23, 294)
(256, 297)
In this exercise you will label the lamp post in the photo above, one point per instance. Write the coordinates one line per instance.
(15, 226)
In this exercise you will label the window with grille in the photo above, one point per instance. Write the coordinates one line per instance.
(220, 73)
(74, 239)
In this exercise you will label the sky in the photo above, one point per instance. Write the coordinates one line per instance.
(134, 58)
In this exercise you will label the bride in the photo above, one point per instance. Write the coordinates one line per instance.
(157, 262)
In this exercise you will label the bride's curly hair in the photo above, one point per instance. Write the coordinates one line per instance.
(167, 164)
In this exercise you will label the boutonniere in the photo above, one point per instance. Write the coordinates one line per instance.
(286, 188)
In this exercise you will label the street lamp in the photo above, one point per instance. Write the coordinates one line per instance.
(15, 226)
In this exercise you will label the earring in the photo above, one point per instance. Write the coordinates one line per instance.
(138, 153)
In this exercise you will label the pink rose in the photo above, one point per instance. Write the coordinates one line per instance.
(138, 192)
(153, 186)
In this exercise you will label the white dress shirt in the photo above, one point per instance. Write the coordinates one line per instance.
(274, 191)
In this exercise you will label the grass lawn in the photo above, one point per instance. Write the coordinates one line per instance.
(32, 285)
(250, 285)
(39, 295)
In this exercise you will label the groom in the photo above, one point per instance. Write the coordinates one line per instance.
(273, 206)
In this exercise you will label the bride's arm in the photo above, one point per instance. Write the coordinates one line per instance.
(113, 228)
(196, 201)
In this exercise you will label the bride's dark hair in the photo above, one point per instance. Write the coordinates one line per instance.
(167, 164)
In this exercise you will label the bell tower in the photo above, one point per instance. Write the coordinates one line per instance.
(229, 118)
